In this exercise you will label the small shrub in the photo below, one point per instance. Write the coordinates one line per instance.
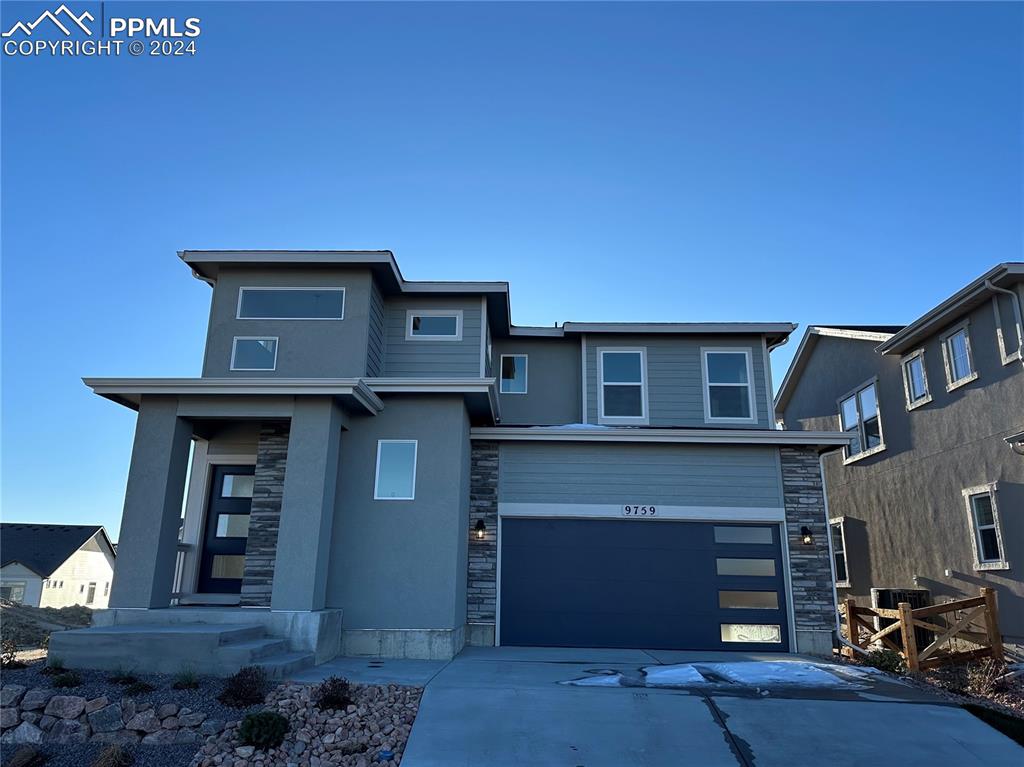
(981, 678)
(26, 756)
(9, 655)
(186, 679)
(67, 679)
(138, 687)
(334, 692)
(122, 677)
(264, 730)
(886, 660)
(113, 756)
(246, 687)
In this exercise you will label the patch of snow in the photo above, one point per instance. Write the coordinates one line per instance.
(600, 680)
(579, 426)
(679, 675)
(767, 673)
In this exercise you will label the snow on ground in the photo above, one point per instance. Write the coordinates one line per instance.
(767, 673)
(673, 676)
(600, 680)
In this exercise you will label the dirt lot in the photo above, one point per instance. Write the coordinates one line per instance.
(30, 627)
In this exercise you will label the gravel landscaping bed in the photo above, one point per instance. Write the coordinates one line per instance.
(83, 755)
(373, 729)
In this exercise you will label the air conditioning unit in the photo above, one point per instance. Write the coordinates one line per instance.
(890, 599)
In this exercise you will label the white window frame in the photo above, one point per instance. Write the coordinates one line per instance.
(644, 417)
(410, 313)
(1004, 354)
(970, 493)
(242, 289)
(526, 373)
(748, 354)
(855, 393)
(841, 521)
(947, 356)
(415, 462)
(234, 350)
(908, 392)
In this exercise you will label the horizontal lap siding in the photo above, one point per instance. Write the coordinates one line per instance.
(675, 384)
(432, 359)
(674, 475)
(375, 343)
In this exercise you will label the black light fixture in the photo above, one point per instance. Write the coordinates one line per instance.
(480, 529)
(805, 534)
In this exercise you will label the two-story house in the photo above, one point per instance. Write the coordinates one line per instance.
(927, 501)
(392, 468)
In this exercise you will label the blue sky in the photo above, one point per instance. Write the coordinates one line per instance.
(799, 162)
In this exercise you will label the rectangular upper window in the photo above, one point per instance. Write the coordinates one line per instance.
(987, 534)
(728, 388)
(957, 356)
(433, 325)
(915, 380)
(513, 373)
(622, 389)
(395, 478)
(253, 353)
(859, 417)
(291, 303)
(838, 533)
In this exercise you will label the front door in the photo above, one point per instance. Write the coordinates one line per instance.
(227, 530)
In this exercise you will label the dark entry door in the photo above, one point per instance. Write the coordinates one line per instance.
(642, 584)
(227, 530)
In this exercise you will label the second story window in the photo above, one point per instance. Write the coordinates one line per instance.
(956, 353)
(915, 380)
(728, 393)
(433, 325)
(291, 304)
(859, 417)
(254, 353)
(622, 392)
(513, 373)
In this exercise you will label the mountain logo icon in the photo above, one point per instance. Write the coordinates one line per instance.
(63, 18)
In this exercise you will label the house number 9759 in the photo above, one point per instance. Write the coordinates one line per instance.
(639, 511)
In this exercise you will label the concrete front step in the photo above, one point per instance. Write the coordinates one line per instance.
(251, 651)
(284, 665)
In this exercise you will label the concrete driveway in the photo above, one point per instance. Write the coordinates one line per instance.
(513, 706)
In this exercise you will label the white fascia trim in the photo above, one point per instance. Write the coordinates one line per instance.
(538, 332)
(856, 335)
(742, 328)
(634, 434)
(664, 512)
(427, 385)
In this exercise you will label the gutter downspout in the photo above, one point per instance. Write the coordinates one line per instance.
(832, 558)
(1015, 299)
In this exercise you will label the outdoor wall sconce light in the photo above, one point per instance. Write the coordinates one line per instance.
(480, 529)
(805, 534)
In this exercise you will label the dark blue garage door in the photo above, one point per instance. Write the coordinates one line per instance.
(642, 583)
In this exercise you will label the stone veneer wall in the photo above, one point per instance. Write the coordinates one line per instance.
(265, 517)
(483, 555)
(809, 565)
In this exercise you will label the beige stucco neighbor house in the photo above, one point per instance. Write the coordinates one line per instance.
(56, 565)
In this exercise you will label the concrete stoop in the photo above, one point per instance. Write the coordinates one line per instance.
(215, 649)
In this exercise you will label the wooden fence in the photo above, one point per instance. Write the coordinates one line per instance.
(974, 622)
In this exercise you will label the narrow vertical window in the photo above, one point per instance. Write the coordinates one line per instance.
(958, 358)
(987, 540)
(513, 373)
(838, 533)
(915, 380)
(395, 478)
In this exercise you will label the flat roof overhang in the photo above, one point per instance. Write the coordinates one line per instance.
(822, 440)
(480, 394)
(774, 332)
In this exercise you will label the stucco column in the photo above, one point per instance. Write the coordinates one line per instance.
(307, 505)
(148, 542)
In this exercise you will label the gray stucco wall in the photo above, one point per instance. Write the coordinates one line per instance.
(553, 381)
(432, 359)
(673, 475)
(306, 348)
(402, 564)
(674, 380)
(903, 507)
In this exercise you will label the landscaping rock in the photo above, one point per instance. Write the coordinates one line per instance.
(10, 694)
(46, 722)
(190, 719)
(120, 737)
(35, 699)
(96, 704)
(106, 719)
(65, 706)
(23, 733)
(166, 710)
(145, 721)
(9, 718)
(161, 738)
(68, 731)
(32, 717)
(245, 751)
(211, 727)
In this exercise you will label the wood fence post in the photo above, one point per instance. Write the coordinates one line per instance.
(995, 639)
(909, 638)
(852, 627)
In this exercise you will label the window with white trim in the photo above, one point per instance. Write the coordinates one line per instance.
(251, 353)
(838, 533)
(622, 392)
(728, 387)
(513, 373)
(987, 536)
(1009, 330)
(915, 380)
(957, 356)
(859, 417)
(395, 476)
(433, 325)
(291, 304)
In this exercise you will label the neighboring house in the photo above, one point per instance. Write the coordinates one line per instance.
(928, 500)
(55, 565)
(385, 467)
